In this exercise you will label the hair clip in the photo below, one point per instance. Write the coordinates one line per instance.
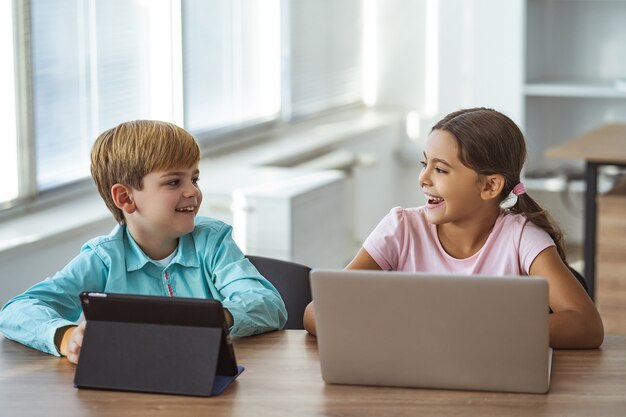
(511, 199)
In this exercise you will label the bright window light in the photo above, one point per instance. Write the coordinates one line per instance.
(413, 125)
(8, 141)
(268, 45)
(231, 62)
(370, 53)
(164, 43)
(97, 64)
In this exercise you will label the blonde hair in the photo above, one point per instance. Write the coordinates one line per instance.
(127, 153)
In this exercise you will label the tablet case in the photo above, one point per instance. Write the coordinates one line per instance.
(155, 344)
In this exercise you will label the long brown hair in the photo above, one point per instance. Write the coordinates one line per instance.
(491, 143)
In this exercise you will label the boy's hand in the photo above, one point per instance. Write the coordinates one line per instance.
(72, 342)
(229, 318)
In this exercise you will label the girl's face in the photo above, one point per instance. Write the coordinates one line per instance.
(452, 190)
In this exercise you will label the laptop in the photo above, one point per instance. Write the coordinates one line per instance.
(170, 345)
(422, 330)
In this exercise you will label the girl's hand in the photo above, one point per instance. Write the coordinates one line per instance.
(362, 260)
(72, 342)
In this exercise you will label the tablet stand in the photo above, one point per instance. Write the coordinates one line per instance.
(169, 359)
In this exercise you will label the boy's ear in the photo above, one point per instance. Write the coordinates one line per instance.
(492, 186)
(123, 198)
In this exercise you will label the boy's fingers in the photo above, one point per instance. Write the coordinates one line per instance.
(73, 352)
(76, 343)
(73, 358)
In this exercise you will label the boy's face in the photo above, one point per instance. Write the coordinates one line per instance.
(167, 203)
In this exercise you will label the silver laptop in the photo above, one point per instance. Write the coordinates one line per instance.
(432, 331)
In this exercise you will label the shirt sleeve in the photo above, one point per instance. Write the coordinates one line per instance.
(254, 303)
(33, 317)
(383, 244)
(533, 241)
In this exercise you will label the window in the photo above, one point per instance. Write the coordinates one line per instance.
(325, 60)
(208, 65)
(8, 143)
(231, 62)
(95, 64)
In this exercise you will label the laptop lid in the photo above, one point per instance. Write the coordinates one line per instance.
(432, 331)
(155, 344)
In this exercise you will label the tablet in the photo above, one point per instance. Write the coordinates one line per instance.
(172, 311)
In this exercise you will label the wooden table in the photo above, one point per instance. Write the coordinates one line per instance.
(605, 145)
(282, 378)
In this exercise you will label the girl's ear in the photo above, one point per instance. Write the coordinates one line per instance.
(123, 198)
(492, 186)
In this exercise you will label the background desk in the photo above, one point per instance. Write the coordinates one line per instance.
(605, 145)
(282, 378)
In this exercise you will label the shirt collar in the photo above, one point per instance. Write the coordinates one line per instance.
(186, 254)
(137, 259)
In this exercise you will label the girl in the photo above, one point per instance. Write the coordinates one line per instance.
(479, 219)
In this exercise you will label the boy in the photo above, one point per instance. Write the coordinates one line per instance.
(147, 174)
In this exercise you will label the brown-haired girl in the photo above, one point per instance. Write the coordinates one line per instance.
(479, 219)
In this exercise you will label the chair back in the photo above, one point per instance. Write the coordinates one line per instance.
(292, 282)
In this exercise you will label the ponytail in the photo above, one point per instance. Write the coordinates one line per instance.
(530, 209)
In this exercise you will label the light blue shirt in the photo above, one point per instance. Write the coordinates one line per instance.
(207, 264)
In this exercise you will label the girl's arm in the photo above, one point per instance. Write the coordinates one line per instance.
(575, 322)
(362, 260)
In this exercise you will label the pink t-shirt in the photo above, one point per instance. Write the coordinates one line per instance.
(405, 241)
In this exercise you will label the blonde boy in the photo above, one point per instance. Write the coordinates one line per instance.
(147, 174)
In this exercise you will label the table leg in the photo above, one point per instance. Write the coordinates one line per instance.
(591, 192)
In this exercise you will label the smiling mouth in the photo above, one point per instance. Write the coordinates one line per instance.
(186, 209)
(434, 200)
